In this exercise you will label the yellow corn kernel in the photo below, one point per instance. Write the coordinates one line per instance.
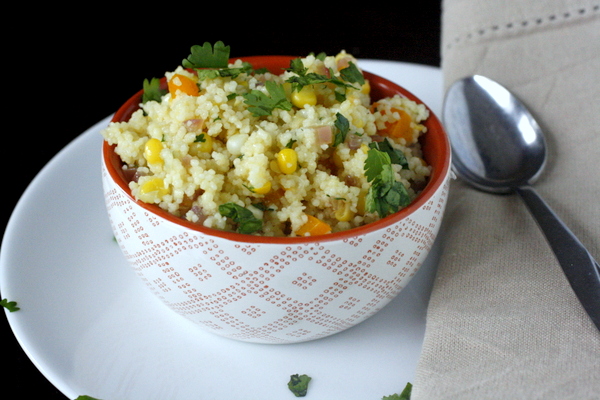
(152, 150)
(362, 202)
(203, 145)
(358, 121)
(287, 160)
(264, 189)
(274, 166)
(154, 185)
(306, 96)
(344, 213)
(366, 87)
(287, 87)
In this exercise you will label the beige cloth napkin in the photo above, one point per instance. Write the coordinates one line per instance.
(503, 322)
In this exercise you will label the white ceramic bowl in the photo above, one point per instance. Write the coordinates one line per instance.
(278, 290)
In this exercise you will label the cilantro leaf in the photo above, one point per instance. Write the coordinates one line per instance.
(321, 56)
(261, 206)
(343, 126)
(212, 61)
(245, 220)
(386, 195)
(405, 395)
(207, 56)
(352, 74)
(298, 384)
(374, 163)
(304, 78)
(9, 305)
(152, 90)
(223, 72)
(297, 66)
(261, 105)
(396, 156)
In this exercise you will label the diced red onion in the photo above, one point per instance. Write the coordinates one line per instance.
(199, 213)
(344, 62)
(353, 141)
(132, 174)
(194, 125)
(324, 134)
(321, 69)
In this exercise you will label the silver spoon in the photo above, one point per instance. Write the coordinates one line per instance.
(498, 147)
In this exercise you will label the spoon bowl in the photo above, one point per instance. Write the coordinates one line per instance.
(498, 147)
(496, 143)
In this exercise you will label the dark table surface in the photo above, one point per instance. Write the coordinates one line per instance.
(77, 71)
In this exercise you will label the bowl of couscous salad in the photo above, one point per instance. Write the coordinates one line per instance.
(274, 199)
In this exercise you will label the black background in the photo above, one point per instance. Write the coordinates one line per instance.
(79, 66)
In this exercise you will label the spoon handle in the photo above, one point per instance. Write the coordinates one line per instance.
(577, 263)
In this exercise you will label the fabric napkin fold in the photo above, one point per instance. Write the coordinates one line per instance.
(503, 321)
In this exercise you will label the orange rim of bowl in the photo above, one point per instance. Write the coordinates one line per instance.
(435, 146)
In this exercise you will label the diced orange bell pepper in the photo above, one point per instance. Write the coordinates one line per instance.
(314, 226)
(399, 129)
(184, 84)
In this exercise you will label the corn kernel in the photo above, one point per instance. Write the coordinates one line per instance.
(358, 122)
(287, 160)
(154, 186)
(366, 87)
(287, 87)
(274, 166)
(264, 189)
(152, 150)
(361, 205)
(306, 96)
(204, 146)
(344, 213)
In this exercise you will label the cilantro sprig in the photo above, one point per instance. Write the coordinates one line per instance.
(9, 305)
(396, 156)
(404, 395)
(261, 104)
(298, 384)
(342, 126)
(386, 195)
(348, 76)
(207, 56)
(244, 218)
(152, 90)
(213, 61)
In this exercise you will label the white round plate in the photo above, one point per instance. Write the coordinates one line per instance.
(92, 328)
